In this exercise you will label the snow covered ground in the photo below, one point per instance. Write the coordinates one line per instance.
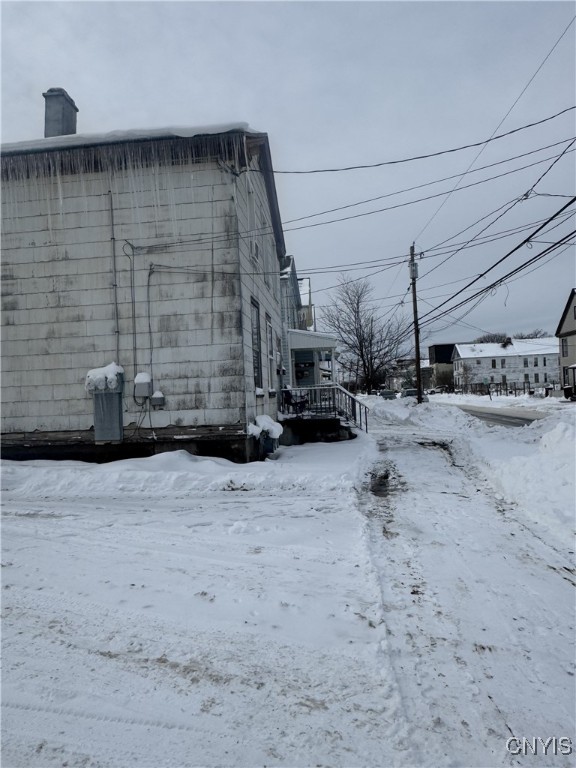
(402, 599)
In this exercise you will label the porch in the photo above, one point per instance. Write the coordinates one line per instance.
(324, 401)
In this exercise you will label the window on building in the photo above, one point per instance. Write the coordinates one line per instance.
(491, 379)
(565, 370)
(525, 362)
(564, 343)
(256, 343)
(478, 362)
(504, 379)
(503, 363)
(271, 360)
(526, 377)
(544, 362)
(535, 362)
(536, 378)
(493, 363)
(545, 377)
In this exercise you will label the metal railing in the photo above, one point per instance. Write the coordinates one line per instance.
(323, 401)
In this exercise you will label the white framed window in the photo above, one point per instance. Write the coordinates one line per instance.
(256, 343)
(271, 357)
(564, 343)
(536, 378)
(535, 362)
(526, 377)
(503, 363)
(525, 362)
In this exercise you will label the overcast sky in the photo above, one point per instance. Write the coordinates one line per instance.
(338, 84)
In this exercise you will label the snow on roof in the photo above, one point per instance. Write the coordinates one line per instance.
(310, 339)
(519, 347)
(120, 137)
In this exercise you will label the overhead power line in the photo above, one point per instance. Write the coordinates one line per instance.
(432, 154)
(506, 256)
(484, 291)
(509, 208)
(431, 183)
(410, 202)
(485, 144)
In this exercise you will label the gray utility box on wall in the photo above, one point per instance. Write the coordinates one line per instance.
(108, 421)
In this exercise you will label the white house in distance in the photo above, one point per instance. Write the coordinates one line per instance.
(566, 334)
(153, 256)
(516, 363)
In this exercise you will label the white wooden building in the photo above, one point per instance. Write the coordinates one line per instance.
(566, 334)
(156, 250)
(520, 363)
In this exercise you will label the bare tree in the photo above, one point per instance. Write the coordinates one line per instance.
(537, 333)
(491, 338)
(370, 343)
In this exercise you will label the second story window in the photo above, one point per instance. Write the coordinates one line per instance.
(503, 363)
(271, 360)
(535, 362)
(493, 363)
(525, 362)
(564, 343)
(256, 343)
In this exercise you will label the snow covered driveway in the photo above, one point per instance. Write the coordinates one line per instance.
(177, 611)
(479, 606)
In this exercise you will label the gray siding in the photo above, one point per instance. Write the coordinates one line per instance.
(58, 286)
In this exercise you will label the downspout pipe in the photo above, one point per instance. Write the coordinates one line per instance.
(114, 279)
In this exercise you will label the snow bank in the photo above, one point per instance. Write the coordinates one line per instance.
(538, 472)
(338, 467)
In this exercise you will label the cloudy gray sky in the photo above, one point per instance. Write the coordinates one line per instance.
(339, 84)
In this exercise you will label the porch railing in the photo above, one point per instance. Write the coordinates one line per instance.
(323, 401)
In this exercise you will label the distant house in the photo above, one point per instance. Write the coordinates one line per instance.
(151, 254)
(520, 363)
(566, 335)
(308, 311)
(308, 357)
(440, 356)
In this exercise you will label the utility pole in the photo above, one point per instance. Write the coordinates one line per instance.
(413, 276)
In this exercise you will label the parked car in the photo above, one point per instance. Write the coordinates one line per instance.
(388, 394)
(413, 393)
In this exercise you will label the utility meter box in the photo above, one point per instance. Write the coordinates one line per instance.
(108, 422)
(142, 385)
(157, 399)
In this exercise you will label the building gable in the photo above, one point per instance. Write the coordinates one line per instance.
(567, 324)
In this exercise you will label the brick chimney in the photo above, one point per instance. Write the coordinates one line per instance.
(60, 115)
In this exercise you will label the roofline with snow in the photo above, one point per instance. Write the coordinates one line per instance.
(78, 142)
(565, 314)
